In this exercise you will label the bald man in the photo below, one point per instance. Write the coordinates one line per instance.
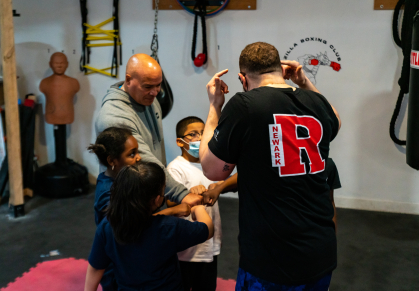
(132, 104)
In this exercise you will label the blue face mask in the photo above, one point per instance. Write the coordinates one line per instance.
(193, 148)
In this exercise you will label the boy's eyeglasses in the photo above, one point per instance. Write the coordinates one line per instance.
(193, 135)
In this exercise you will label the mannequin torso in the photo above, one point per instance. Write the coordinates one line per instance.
(59, 91)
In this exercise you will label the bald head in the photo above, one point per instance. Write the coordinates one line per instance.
(143, 78)
(142, 64)
(58, 63)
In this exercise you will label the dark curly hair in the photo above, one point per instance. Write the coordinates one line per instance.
(259, 58)
(110, 142)
(130, 207)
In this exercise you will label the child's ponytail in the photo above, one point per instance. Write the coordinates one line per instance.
(110, 142)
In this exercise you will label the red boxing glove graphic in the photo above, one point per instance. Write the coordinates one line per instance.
(314, 62)
(335, 66)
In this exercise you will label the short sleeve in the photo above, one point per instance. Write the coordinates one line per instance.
(190, 233)
(333, 175)
(98, 258)
(176, 175)
(228, 136)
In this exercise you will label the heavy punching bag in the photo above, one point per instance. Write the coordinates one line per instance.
(412, 138)
(165, 96)
(408, 41)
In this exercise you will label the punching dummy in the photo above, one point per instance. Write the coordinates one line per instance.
(64, 177)
(59, 90)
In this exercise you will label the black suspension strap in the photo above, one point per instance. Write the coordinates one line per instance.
(396, 17)
(85, 50)
(200, 10)
(114, 65)
(396, 113)
(405, 42)
(92, 34)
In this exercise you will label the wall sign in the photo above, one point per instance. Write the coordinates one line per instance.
(414, 59)
(313, 53)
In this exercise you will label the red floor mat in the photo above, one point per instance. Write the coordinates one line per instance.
(68, 275)
(64, 275)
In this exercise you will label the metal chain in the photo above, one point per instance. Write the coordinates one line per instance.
(155, 41)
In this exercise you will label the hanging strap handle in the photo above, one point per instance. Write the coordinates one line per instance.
(114, 66)
(396, 15)
(85, 50)
(399, 102)
(200, 10)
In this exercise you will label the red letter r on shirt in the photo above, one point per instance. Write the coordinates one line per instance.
(286, 146)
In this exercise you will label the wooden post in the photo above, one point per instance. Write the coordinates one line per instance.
(12, 109)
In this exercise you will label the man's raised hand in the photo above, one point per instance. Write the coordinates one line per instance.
(216, 88)
(294, 71)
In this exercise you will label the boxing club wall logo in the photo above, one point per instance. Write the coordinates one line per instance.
(312, 62)
(286, 144)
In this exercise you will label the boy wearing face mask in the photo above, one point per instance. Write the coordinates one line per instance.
(199, 263)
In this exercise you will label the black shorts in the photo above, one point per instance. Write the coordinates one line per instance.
(199, 276)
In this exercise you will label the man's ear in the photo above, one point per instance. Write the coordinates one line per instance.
(128, 79)
(242, 78)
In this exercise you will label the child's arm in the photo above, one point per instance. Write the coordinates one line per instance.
(93, 277)
(211, 196)
(200, 214)
(334, 209)
(178, 210)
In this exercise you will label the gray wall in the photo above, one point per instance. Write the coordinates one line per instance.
(372, 169)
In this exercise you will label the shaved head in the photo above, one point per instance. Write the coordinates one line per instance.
(143, 78)
(142, 64)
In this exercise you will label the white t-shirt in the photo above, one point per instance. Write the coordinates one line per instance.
(191, 175)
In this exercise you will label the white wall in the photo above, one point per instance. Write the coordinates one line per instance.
(372, 169)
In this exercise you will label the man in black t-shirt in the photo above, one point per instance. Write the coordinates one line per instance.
(279, 137)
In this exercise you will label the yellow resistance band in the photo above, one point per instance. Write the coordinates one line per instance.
(107, 34)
